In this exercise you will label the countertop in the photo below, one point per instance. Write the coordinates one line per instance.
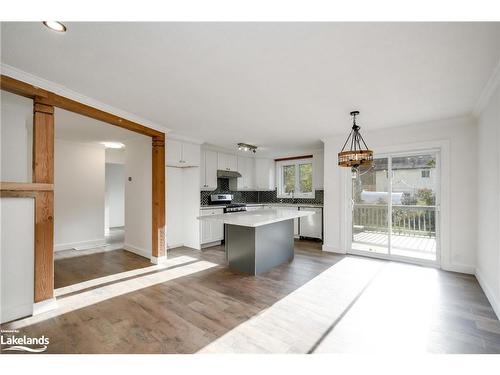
(277, 205)
(257, 218)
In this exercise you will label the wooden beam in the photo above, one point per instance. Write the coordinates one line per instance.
(294, 158)
(158, 194)
(46, 99)
(43, 173)
(22, 186)
(21, 88)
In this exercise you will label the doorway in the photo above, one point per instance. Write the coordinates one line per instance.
(395, 207)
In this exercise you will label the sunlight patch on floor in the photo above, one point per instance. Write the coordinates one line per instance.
(120, 276)
(394, 314)
(295, 323)
(172, 269)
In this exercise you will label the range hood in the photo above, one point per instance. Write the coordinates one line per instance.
(227, 174)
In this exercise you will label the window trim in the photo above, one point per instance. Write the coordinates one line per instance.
(279, 178)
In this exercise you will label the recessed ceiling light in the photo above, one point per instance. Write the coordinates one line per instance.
(113, 144)
(55, 25)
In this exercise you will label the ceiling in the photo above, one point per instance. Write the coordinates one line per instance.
(281, 86)
(73, 127)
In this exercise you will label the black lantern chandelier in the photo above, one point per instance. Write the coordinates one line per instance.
(358, 154)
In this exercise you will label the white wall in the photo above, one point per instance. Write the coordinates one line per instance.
(138, 195)
(115, 195)
(459, 213)
(115, 155)
(79, 193)
(16, 258)
(16, 137)
(488, 223)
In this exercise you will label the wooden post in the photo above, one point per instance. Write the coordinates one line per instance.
(43, 172)
(158, 193)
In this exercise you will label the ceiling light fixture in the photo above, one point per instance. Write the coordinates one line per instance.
(246, 147)
(113, 144)
(356, 156)
(55, 25)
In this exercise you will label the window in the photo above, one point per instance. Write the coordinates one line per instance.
(426, 173)
(295, 178)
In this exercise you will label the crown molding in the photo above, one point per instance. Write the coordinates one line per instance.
(488, 91)
(177, 137)
(64, 91)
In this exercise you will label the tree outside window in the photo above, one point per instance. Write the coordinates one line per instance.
(295, 178)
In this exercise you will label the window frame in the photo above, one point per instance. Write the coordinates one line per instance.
(280, 183)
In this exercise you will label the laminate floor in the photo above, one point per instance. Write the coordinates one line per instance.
(319, 302)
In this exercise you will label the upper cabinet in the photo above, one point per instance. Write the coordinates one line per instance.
(208, 170)
(246, 166)
(318, 170)
(227, 162)
(265, 172)
(182, 154)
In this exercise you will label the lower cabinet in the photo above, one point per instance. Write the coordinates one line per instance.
(312, 226)
(211, 230)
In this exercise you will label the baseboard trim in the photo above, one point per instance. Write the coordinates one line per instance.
(460, 268)
(137, 250)
(158, 260)
(16, 312)
(174, 245)
(330, 249)
(495, 304)
(44, 306)
(210, 244)
(82, 245)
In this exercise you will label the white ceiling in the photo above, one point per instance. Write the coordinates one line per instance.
(282, 86)
(73, 127)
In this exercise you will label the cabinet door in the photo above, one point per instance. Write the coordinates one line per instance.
(247, 170)
(217, 227)
(174, 153)
(210, 170)
(265, 174)
(311, 226)
(227, 162)
(190, 155)
(205, 227)
(232, 162)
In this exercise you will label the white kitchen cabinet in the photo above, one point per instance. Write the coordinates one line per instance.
(265, 172)
(191, 154)
(182, 154)
(208, 170)
(227, 162)
(312, 226)
(211, 230)
(318, 170)
(246, 167)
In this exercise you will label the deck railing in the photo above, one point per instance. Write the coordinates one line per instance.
(408, 220)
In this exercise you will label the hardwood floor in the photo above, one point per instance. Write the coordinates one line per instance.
(69, 271)
(320, 302)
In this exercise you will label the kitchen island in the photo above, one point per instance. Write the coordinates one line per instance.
(256, 241)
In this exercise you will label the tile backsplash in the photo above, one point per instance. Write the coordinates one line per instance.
(256, 196)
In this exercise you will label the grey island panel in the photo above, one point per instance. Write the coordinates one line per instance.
(256, 250)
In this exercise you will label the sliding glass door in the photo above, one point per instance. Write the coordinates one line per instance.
(395, 205)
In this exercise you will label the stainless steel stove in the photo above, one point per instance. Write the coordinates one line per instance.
(226, 200)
